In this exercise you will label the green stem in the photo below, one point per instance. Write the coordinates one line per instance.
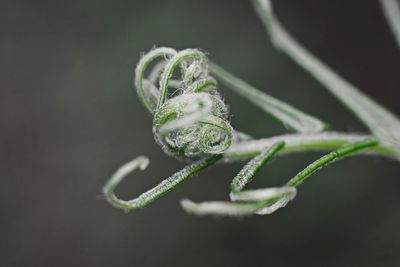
(325, 141)
(340, 153)
(290, 116)
(247, 173)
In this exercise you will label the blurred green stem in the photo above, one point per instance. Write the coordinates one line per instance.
(287, 114)
(391, 10)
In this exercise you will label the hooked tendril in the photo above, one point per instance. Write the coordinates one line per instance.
(156, 192)
(259, 201)
(140, 70)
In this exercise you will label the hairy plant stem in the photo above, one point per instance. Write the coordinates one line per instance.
(248, 202)
(340, 153)
(325, 141)
(157, 191)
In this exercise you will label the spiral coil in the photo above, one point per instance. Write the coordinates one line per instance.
(192, 122)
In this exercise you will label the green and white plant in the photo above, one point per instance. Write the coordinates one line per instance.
(193, 124)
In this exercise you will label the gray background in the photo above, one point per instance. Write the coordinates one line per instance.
(69, 116)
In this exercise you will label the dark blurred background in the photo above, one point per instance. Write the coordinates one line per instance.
(70, 116)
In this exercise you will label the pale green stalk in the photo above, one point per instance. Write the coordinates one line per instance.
(382, 123)
(295, 143)
(288, 115)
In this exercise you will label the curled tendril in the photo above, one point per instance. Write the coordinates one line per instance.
(193, 122)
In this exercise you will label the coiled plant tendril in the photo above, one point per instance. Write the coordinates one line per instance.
(191, 123)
